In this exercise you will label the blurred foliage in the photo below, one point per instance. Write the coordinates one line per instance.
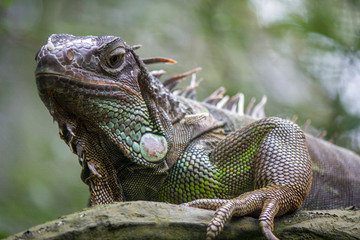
(303, 54)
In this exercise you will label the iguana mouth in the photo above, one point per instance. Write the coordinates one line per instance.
(92, 85)
(93, 81)
(63, 84)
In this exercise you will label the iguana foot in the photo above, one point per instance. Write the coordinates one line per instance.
(269, 201)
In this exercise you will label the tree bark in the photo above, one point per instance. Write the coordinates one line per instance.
(155, 220)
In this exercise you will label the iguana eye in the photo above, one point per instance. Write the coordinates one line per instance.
(115, 58)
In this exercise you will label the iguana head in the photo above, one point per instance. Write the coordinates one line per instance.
(99, 85)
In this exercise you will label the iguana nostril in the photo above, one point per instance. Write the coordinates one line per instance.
(69, 56)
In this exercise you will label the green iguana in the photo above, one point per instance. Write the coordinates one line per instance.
(137, 140)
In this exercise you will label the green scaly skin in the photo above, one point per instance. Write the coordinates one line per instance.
(137, 141)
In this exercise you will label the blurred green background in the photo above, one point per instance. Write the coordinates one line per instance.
(302, 54)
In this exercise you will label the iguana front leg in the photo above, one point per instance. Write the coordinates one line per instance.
(276, 152)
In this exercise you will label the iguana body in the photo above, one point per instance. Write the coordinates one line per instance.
(138, 141)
